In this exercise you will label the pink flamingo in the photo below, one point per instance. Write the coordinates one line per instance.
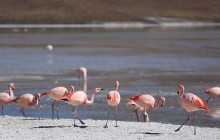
(113, 99)
(191, 103)
(147, 101)
(212, 92)
(6, 98)
(82, 71)
(136, 109)
(78, 98)
(57, 94)
(27, 100)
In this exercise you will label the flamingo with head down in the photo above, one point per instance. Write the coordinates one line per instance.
(57, 94)
(27, 100)
(147, 102)
(213, 92)
(136, 109)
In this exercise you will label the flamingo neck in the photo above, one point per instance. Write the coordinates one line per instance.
(91, 99)
(182, 91)
(85, 84)
(11, 94)
(156, 105)
(71, 89)
(116, 88)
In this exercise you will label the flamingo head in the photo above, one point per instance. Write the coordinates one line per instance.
(180, 89)
(116, 84)
(97, 90)
(37, 96)
(82, 71)
(161, 101)
(71, 89)
(131, 103)
(12, 86)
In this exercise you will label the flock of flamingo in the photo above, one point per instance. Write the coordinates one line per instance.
(190, 102)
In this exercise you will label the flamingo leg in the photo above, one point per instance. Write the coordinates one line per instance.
(146, 117)
(106, 126)
(2, 110)
(53, 109)
(208, 100)
(194, 123)
(138, 118)
(133, 115)
(57, 110)
(75, 117)
(22, 111)
(116, 116)
(182, 124)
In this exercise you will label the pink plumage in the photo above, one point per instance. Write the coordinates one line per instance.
(191, 103)
(78, 98)
(27, 100)
(213, 92)
(57, 94)
(147, 102)
(113, 99)
(5, 97)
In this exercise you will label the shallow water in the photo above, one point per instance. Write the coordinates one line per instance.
(154, 61)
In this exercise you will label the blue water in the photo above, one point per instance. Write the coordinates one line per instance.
(153, 61)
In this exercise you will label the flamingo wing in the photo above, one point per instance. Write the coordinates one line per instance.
(201, 104)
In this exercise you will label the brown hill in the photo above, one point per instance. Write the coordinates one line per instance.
(87, 11)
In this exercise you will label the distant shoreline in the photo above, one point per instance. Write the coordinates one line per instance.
(124, 25)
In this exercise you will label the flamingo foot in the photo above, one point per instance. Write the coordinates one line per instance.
(105, 126)
(75, 125)
(82, 122)
(116, 126)
(177, 130)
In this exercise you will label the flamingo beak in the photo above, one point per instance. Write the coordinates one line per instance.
(178, 92)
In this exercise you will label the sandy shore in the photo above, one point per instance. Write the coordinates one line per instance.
(34, 128)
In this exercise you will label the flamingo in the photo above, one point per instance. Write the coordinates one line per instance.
(82, 71)
(191, 103)
(212, 92)
(147, 101)
(6, 98)
(57, 94)
(136, 109)
(27, 100)
(113, 99)
(78, 98)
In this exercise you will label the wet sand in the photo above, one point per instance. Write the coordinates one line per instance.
(33, 128)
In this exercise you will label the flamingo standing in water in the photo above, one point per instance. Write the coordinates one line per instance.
(57, 94)
(6, 98)
(212, 92)
(82, 71)
(136, 109)
(147, 101)
(113, 99)
(78, 98)
(27, 100)
(191, 103)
